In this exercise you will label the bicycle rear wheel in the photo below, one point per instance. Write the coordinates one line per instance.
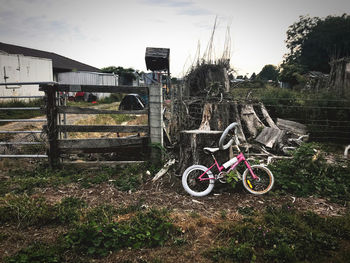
(259, 186)
(193, 185)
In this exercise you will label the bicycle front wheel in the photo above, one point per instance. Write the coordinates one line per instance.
(260, 185)
(193, 185)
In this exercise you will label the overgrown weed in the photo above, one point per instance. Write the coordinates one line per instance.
(308, 174)
(282, 234)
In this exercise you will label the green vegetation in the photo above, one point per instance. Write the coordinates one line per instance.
(150, 229)
(313, 42)
(94, 238)
(282, 234)
(268, 72)
(26, 181)
(39, 253)
(308, 173)
(126, 75)
(25, 211)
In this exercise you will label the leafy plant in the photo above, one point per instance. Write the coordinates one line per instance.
(39, 253)
(69, 210)
(148, 229)
(281, 234)
(26, 211)
(232, 178)
(307, 173)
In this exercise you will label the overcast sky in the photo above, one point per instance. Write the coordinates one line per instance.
(105, 32)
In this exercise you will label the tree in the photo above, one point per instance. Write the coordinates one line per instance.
(268, 72)
(291, 72)
(126, 75)
(253, 76)
(296, 35)
(314, 42)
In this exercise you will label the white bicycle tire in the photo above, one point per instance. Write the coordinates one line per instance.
(188, 189)
(272, 180)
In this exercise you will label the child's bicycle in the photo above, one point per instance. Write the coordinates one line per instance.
(199, 180)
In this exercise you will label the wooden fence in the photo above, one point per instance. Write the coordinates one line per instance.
(131, 146)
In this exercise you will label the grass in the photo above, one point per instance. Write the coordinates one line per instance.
(93, 238)
(276, 234)
(27, 180)
(113, 231)
(282, 234)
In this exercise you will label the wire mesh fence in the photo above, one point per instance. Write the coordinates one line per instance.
(326, 119)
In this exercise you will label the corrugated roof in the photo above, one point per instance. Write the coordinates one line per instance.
(58, 62)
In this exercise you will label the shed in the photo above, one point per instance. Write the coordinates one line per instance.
(88, 78)
(59, 63)
(19, 68)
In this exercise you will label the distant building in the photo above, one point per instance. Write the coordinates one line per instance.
(22, 64)
(59, 63)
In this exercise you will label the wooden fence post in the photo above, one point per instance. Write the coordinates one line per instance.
(156, 118)
(52, 129)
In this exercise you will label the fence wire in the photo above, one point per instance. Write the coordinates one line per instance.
(326, 120)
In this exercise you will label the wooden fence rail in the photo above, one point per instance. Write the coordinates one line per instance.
(146, 134)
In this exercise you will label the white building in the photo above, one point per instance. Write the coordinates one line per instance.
(19, 68)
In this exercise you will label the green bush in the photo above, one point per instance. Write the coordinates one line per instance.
(307, 173)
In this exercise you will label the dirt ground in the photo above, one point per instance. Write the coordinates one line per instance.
(165, 193)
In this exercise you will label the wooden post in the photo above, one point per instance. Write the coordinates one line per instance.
(52, 129)
(155, 119)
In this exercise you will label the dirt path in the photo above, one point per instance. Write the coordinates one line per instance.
(38, 126)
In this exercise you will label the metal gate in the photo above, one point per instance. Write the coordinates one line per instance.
(13, 143)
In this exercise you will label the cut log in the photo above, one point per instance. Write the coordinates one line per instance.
(192, 143)
(292, 126)
(271, 137)
(207, 112)
(241, 136)
(251, 120)
(267, 117)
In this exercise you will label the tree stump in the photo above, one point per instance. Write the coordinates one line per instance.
(191, 148)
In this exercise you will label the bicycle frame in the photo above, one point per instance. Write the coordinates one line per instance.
(240, 158)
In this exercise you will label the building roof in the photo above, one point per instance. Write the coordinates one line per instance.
(60, 63)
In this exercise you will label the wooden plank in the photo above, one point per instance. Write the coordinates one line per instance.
(270, 136)
(292, 126)
(100, 143)
(103, 128)
(79, 110)
(100, 89)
